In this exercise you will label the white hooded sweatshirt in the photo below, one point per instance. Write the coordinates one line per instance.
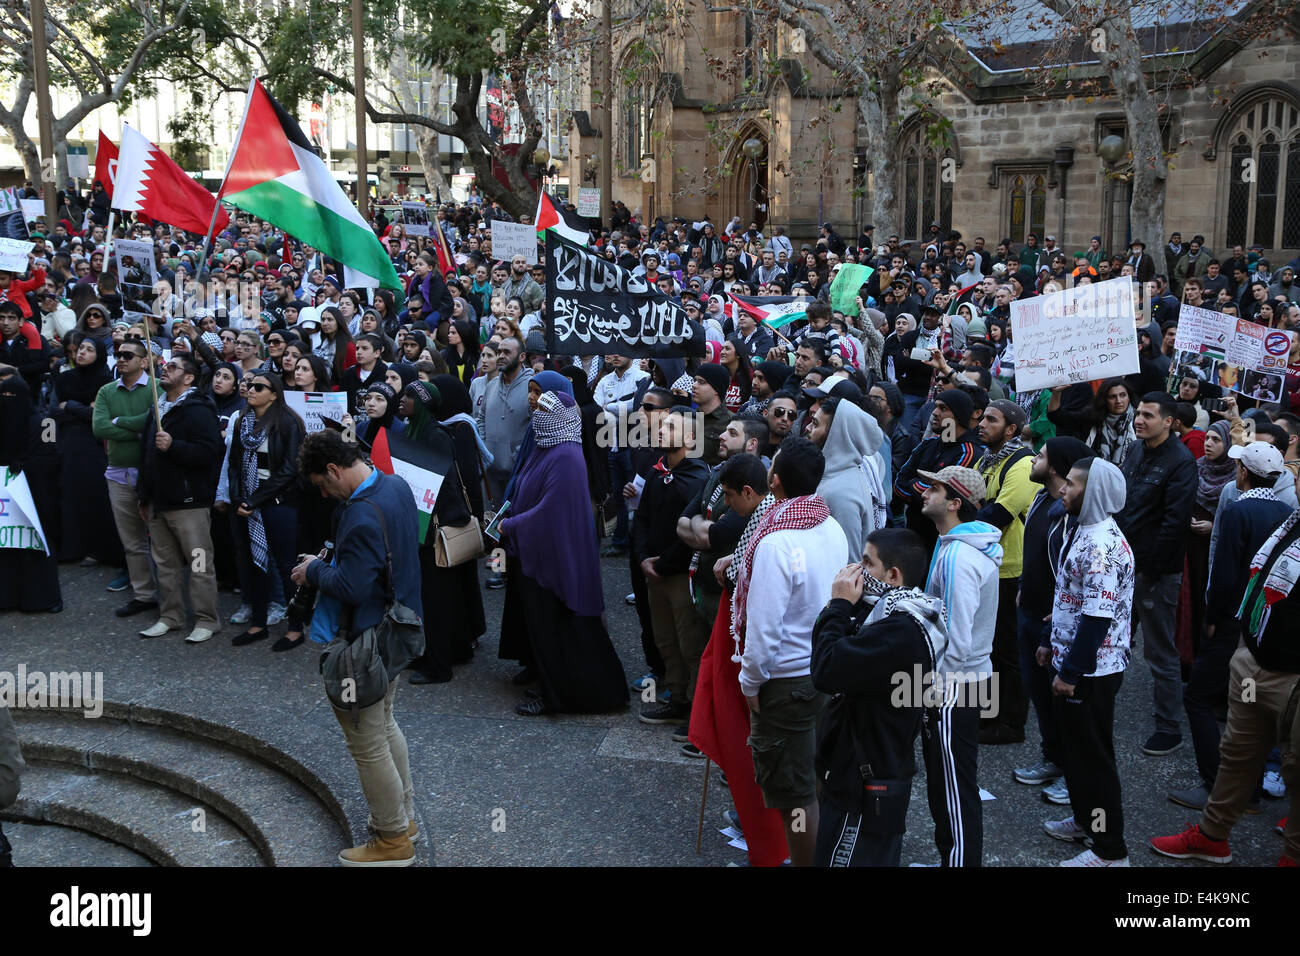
(964, 574)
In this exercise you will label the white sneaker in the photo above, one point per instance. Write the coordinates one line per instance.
(1273, 784)
(242, 615)
(1058, 793)
(275, 614)
(1088, 858)
(199, 635)
(157, 630)
(1066, 830)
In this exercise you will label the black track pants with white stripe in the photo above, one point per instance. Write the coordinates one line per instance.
(950, 746)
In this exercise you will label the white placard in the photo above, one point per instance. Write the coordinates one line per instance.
(33, 209)
(136, 270)
(510, 239)
(14, 253)
(1203, 330)
(415, 218)
(313, 406)
(588, 204)
(20, 525)
(78, 162)
(1076, 335)
(424, 484)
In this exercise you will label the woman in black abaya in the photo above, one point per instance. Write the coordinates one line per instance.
(88, 530)
(29, 579)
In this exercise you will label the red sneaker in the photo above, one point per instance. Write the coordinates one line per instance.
(1281, 825)
(1192, 844)
(1287, 861)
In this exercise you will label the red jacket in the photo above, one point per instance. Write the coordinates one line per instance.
(18, 289)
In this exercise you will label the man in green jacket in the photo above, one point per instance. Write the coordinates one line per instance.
(1005, 469)
(122, 410)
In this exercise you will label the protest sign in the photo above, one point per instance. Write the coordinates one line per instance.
(844, 290)
(20, 525)
(1076, 335)
(510, 239)
(588, 203)
(1236, 354)
(33, 209)
(14, 253)
(597, 307)
(136, 270)
(313, 406)
(415, 218)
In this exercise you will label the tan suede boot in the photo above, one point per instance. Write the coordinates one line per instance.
(412, 831)
(380, 851)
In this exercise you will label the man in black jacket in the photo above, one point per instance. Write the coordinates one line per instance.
(953, 442)
(179, 466)
(680, 632)
(1161, 477)
(873, 646)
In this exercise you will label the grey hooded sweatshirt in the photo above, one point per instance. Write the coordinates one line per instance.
(964, 574)
(846, 486)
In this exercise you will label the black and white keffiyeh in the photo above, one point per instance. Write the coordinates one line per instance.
(250, 440)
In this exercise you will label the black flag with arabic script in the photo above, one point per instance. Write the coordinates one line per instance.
(596, 307)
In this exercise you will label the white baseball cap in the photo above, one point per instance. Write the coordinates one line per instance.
(1259, 457)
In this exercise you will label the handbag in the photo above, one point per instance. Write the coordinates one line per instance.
(453, 546)
(357, 670)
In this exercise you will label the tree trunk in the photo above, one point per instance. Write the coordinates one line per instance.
(1122, 58)
(877, 118)
(426, 144)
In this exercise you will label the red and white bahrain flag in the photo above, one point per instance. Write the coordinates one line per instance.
(151, 184)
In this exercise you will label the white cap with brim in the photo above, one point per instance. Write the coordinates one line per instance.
(1259, 457)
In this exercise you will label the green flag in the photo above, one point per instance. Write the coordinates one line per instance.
(844, 290)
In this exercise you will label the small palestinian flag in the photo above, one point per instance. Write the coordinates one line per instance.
(554, 217)
(416, 464)
(774, 311)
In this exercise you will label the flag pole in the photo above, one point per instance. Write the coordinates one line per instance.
(153, 371)
(216, 207)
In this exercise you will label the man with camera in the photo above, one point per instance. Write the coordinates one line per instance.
(378, 520)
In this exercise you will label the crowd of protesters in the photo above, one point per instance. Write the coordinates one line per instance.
(803, 513)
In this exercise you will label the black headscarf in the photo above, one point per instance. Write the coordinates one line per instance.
(235, 403)
(385, 420)
(405, 372)
(463, 368)
(455, 397)
(78, 384)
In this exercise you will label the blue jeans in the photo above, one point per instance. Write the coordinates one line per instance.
(620, 473)
(911, 405)
(1037, 681)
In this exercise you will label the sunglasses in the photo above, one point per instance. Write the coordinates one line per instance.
(258, 387)
(789, 413)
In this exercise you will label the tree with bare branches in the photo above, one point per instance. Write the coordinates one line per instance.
(99, 51)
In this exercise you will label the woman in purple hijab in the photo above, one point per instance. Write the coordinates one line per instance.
(551, 550)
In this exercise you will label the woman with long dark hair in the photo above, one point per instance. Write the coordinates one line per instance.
(264, 493)
(452, 596)
(227, 393)
(734, 357)
(335, 345)
(88, 530)
(1106, 426)
(461, 353)
(311, 374)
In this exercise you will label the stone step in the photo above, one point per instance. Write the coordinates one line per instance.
(283, 819)
(152, 820)
(52, 845)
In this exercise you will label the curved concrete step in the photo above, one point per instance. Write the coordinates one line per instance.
(37, 844)
(283, 819)
(153, 820)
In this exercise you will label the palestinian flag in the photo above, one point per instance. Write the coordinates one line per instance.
(554, 217)
(417, 464)
(275, 174)
(774, 311)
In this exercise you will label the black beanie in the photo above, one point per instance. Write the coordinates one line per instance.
(776, 373)
(1063, 453)
(963, 407)
(717, 376)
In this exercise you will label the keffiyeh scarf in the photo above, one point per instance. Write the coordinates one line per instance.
(1263, 590)
(250, 440)
(790, 514)
(556, 420)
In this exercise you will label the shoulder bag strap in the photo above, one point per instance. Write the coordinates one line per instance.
(388, 554)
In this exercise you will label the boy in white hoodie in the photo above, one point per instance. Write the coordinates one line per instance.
(964, 574)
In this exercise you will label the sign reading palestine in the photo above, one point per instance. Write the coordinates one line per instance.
(596, 307)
